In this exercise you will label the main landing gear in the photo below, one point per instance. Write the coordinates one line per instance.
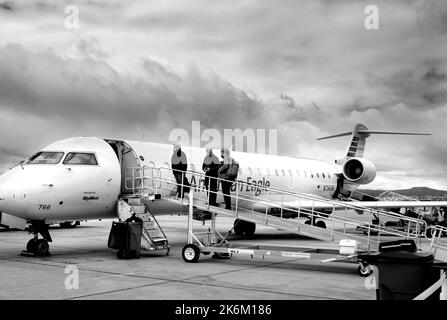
(242, 227)
(36, 246)
(319, 223)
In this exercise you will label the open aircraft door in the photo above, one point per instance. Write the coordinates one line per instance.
(167, 180)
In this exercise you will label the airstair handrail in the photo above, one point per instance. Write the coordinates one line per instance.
(310, 212)
(434, 233)
(294, 194)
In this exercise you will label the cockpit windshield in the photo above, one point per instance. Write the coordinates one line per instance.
(45, 157)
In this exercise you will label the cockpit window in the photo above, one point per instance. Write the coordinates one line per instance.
(45, 157)
(81, 158)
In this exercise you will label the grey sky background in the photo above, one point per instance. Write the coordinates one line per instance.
(138, 69)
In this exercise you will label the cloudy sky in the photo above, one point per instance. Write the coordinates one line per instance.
(138, 69)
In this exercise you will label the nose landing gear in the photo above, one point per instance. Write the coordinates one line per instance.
(38, 247)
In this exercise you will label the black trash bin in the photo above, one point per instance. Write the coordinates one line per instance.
(404, 272)
(126, 237)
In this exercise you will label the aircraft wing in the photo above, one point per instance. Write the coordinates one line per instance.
(399, 204)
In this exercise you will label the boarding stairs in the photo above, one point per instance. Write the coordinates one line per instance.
(153, 237)
(294, 212)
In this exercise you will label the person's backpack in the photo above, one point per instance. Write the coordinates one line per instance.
(233, 171)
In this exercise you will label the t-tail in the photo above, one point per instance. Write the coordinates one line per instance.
(356, 170)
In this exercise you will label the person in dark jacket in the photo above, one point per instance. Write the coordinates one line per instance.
(210, 166)
(179, 165)
(223, 174)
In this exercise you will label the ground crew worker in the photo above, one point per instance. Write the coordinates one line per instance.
(211, 166)
(225, 183)
(179, 165)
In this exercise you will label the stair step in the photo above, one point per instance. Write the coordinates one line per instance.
(134, 201)
(140, 209)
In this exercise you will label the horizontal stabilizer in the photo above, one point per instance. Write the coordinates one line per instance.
(394, 132)
(368, 132)
(359, 135)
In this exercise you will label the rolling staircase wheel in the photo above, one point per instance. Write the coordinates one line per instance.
(320, 224)
(190, 253)
(307, 222)
(365, 270)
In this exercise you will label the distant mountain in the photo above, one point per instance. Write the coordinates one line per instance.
(416, 192)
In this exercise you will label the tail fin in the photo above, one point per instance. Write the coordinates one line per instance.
(358, 139)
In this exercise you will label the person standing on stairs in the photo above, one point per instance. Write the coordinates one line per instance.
(179, 165)
(211, 166)
(224, 174)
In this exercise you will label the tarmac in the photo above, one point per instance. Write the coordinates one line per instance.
(159, 276)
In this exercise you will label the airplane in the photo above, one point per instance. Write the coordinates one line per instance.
(82, 178)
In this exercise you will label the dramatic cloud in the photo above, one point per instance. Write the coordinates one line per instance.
(139, 69)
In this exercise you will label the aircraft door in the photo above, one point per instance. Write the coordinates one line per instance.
(130, 167)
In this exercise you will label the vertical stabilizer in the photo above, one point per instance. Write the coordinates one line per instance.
(358, 140)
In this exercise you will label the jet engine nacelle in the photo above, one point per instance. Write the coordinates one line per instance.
(359, 170)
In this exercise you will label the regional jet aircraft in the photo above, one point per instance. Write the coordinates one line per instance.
(83, 178)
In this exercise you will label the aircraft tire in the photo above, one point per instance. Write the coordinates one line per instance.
(42, 247)
(242, 227)
(68, 225)
(190, 253)
(239, 227)
(250, 228)
(31, 246)
(320, 224)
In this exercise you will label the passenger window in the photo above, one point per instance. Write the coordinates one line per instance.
(276, 172)
(311, 174)
(290, 173)
(259, 172)
(240, 171)
(318, 176)
(81, 159)
(305, 174)
(324, 177)
(45, 157)
(328, 175)
(268, 172)
(249, 172)
(283, 172)
(297, 173)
